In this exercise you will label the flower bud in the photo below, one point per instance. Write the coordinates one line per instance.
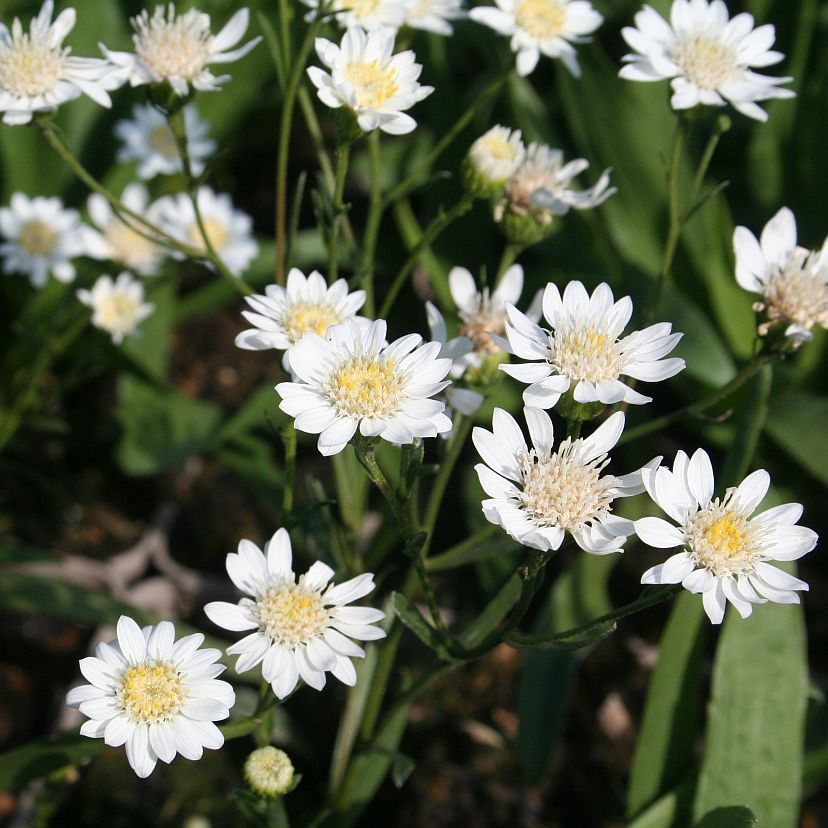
(492, 160)
(269, 772)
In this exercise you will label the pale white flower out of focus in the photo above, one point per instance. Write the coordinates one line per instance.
(179, 48)
(229, 231)
(494, 158)
(541, 27)
(583, 349)
(435, 15)
(365, 77)
(37, 72)
(366, 14)
(352, 380)
(792, 281)
(40, 236)
(285, 314)
(483, 312)
(117, 241)
(117, 307)
(539, 494)
(153, 694)
(148, 139)
(725, 552)
(298, 628)
(541, 188)
(464, 400)
(708, 57)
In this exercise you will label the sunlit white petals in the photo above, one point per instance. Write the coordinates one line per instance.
(725, 551)
(791, 280)
(118, 306)
(541, 27)
(38, 74)
(302, 628)
(366, 14)
(709, 57)
(40, 237)
(494, 158)
(150, 694)
(229, 231)
(148, 139)
(117, 241)
(434, 15)
(583, 349)
(283, 315)
(537, 493)
(365, 77)
(179, 48)
(353, 380)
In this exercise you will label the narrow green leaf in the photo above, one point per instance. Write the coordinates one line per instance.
(755, 729)
(487, 543)
(664, 751)
(735, 816)
(493, 613)
(797, 423)
(413, 619)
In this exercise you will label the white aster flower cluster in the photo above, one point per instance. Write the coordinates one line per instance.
(117, 307)
(429, 15)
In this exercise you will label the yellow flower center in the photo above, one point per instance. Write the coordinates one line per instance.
(173, 46)
(542, 19)
(373, 84)
(216, 231)
(162, 141)
(705, 61)
(128, 247)
(562, 490)
(291, 614)
(29, 66)
(151, 692)
(308, 316)
(478, 327)
(117, 311)
(37, 238)
(584, 354)
(360, 8)
(366, 387)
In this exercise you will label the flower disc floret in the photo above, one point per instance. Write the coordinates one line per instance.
(289, 614)
(583, 349)
(725, 547)
(151, 692)
(708, 57)
(363, 387)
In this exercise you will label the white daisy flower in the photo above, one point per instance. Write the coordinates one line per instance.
(42, 237)
(155, 695)
(365, 77)
(37, 73)
(300, 628)
(709, 57)
(366, 14)
(285, 314)
(792, 280)
(148, 139)
(464, 400)
(541, 27)
(230, 231)
(117, 307)
(582, 348)
(494, 158)
(540, 186)
(117, 241)
(483, 312)
(179, 48)
(538, 495)
(434, 15)
(353, 380)
(725, 551)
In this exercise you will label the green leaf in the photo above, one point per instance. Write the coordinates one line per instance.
(671, 810)
(487, 543)
(413, 619)
(797, 423)
(755, 729)
(45, 756)
(493, 613)
(735, 816)
(664, 751)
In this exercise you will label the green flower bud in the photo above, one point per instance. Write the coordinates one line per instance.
(269, 772)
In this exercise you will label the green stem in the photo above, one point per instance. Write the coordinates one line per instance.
(722, 126)
(343, 153)
(510, 254)
(289, 442)
(437, 226)
(659, 423)
(372, 225)
(404, 187)
(573, 429)
(285, 125)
